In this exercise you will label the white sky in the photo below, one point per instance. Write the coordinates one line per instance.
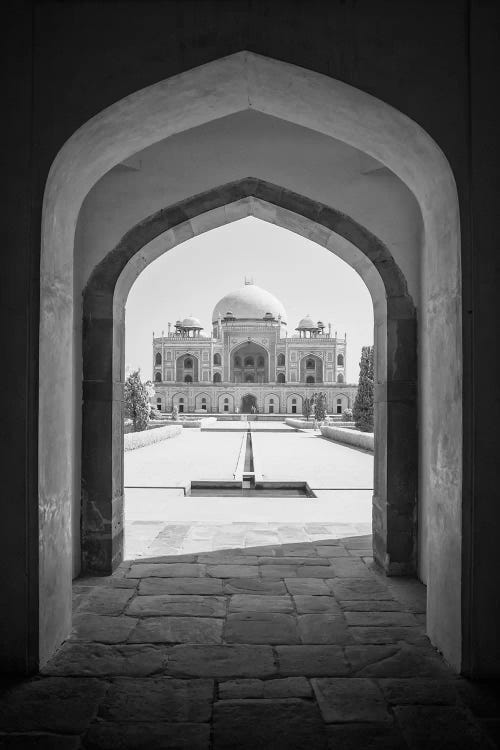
(192, 277)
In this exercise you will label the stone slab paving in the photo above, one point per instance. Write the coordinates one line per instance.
(205, 651)
(307, 456)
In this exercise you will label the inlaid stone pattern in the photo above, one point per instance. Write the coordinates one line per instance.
(282, 645)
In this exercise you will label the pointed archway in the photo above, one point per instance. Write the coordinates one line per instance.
(338, 111)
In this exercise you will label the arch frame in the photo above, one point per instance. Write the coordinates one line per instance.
(396, 474)
(241, 81)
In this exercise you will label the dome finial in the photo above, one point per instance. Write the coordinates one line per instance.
(248, 281)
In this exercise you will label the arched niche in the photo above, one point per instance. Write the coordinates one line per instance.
(239, 82)
(311, 365)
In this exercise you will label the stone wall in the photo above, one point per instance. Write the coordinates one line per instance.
(357, 439)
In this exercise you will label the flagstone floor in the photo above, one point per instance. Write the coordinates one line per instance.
(267, 636)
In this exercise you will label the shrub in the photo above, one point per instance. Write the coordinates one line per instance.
(175, 414)
(347, 415)
(147, 437)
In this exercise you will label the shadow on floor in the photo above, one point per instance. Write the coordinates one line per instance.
(291, 645)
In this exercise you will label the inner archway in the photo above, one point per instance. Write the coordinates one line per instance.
(394, 508)
(248, 403)
(329, 107)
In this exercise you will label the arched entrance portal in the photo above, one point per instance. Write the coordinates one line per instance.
(395, 481)
(248, 403)
(249, 364)
(339, 112)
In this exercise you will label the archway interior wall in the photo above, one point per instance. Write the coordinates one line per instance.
(337, 110)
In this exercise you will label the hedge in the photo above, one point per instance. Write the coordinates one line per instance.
(135, 440)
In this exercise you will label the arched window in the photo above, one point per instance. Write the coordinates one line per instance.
(294, 406)
(181, 405)
(309, 379)
(339, 406)
(237, 361)
(158, 377)
(271, 406)
(158, 404)
(340, 378)
(281, 378)
(188, 364)
(226, 404)
(204, 404)
(294, 400)
(340, 360)
(271, 400)
(260, 362)
(310, 364)
(249, 362)
(158, 358)
(217, 377)
(188, 379)
(249, 379)
(217, 359)
(281, 360)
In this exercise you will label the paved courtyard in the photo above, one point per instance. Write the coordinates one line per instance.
(242, 624)
(155, 477)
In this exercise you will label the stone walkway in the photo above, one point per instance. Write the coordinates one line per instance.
(277, 644)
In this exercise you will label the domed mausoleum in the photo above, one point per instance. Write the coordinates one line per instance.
(249, 363)
(250, 302)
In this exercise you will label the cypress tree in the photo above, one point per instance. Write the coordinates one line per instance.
(136, 397)
(362, 410)
(319, 406)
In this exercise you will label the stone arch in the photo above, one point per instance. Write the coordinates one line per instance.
(226, 399)
(254, 360)
(281, 377)
(311, 365)
(338, 111)
(292, 408)
(248, 401)
(157, 377)
(271, 403)
(186, 365)
(217, 377)
(340, 400)
(200, 404)
(113, 277)
(340, 378)
(280, 360)
(158, 359)
(340, 360)
(180, 402)
(217, 359)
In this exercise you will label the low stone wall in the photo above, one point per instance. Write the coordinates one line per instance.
(196, 422)
(364, 440)
(135, 440)
(300, 424)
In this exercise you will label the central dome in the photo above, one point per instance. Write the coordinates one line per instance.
(250, 302)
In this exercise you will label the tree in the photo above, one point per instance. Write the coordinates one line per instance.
(306, 407)
(319, 401)
(362, 410)
(137, 395)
